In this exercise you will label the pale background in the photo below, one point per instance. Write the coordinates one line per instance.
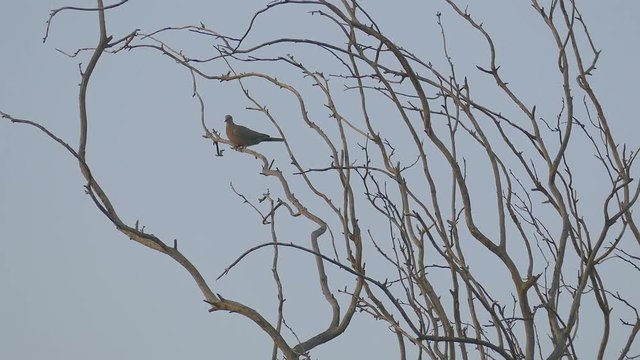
(72, 287)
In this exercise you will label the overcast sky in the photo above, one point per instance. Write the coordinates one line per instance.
(72, 287)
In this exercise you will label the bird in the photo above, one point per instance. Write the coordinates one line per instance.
(242, 137)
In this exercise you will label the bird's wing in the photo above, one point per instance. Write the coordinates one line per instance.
(246, 133)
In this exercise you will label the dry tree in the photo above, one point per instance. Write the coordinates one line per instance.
(454, 220)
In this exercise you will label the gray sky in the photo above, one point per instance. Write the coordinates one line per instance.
(74, 288)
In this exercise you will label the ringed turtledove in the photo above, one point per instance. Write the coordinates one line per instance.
(241, 136)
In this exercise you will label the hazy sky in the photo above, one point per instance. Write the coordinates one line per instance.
(72, 287)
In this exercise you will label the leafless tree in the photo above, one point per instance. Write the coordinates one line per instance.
(419, 184)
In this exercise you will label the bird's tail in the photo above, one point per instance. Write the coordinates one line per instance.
(273, 139)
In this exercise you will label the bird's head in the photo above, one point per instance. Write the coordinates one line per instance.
(228, 119)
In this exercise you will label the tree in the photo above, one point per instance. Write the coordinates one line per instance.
(454, 217)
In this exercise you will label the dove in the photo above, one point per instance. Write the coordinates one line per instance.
(241, 136)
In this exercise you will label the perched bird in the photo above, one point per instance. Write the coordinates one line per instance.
(241, 136)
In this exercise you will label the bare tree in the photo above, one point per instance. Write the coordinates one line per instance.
(396, 205)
